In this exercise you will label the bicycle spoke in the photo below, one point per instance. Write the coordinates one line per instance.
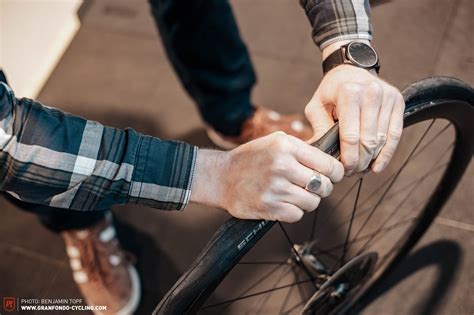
(341, 200)
(300, 260)
(413, 157)
(363, 237)
(262, 263)
(398, 244)
(313, 226)
(433, 171)
(282, 275)
(249, 288)
(377, 232)
(288, 294)
(294, 307)
(361, 212)
(394, 194)
(354, 208)
(378, 235)
(395, 178)
(258, 293)
(435, 137)
(402, 202)
(381, 186)
(301, 291)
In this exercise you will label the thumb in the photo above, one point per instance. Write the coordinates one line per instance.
(320, 117)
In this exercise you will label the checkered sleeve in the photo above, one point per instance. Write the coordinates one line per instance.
(335, 20)
(54, 158)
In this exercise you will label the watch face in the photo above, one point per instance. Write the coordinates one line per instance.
(361, 54)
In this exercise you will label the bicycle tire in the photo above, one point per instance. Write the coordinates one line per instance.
(435, 97)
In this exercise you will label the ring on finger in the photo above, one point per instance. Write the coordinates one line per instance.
(314, 183)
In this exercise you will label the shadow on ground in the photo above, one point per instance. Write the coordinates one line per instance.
(445, 255)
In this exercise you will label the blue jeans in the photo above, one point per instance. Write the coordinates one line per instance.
(203, 43)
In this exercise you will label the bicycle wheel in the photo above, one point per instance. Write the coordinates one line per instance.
(344, 250)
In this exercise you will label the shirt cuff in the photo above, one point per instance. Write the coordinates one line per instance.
(163, 173)
(336, 38)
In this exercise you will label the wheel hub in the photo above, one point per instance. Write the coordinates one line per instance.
(338, 287)
(303, 254)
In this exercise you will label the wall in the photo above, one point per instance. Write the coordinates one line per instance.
(33, 36)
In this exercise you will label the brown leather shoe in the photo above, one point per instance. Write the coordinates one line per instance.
(262, 123)
(102, 270)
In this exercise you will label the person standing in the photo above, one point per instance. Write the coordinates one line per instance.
(203, 44)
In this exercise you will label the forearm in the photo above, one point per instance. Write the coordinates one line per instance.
(335, 21)
(54, 158)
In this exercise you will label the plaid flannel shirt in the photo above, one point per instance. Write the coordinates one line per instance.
(335, 20)
(53, 158)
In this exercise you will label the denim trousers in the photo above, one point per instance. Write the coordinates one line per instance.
(203, 44)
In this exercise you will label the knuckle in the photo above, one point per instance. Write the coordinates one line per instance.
(374, 89)
(381, 138)
(320, 129)
(282, 143)
(328, 167)
(351, 88)
(264, 202)
(351, 139)
(370, 143)
(395, 134)
(279, 165)
(278, 185)
(296, 216)
(387, 156)
(328, 190)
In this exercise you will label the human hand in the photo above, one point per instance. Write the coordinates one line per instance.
(265, 178)
(369, 111)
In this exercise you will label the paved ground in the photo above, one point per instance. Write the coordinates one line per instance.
(115, 71)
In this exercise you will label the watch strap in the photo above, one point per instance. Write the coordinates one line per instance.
(335, 59)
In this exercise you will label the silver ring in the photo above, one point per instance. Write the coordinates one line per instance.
(314, 183)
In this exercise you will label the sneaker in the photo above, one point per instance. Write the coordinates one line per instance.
(102, 270)
(262, 123)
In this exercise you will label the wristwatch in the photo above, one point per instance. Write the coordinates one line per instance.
(355, 53)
